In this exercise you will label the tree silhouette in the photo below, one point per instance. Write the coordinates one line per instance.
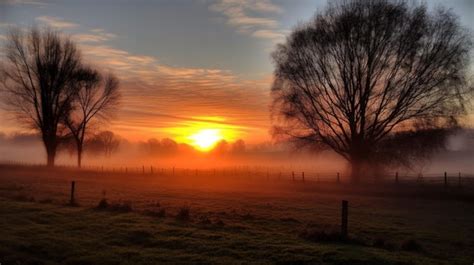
(95, 99)
(40, 77)
(362, 73)
(105, 142)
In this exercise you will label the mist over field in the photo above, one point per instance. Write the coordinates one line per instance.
(27, 148)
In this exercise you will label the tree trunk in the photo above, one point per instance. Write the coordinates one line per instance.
(79, 156)
(50, 152)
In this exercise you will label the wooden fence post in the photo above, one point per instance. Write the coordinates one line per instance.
(293, 175)
(396, 177)
(73, 187)
(344, 217)
(151, 170)
(302, 176)
(445, 179)
(459, 179)
(338, 177)
(143, 169)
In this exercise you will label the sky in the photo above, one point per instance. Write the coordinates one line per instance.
(183, 65)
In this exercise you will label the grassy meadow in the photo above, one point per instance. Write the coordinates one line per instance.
(153, 219)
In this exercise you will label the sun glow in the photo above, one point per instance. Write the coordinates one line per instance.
(206, 139)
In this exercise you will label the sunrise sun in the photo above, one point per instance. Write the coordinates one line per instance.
(205, 139)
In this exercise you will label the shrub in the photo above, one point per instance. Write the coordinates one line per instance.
(103, 204)
(183, 214)
(122, 207)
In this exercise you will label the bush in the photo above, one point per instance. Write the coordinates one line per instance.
(122, 207)
(183, 214)
(103, 204)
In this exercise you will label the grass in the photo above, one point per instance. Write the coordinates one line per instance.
(222, 223)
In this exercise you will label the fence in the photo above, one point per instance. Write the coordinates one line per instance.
(447, 178)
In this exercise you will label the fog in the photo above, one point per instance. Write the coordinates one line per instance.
(166, 153)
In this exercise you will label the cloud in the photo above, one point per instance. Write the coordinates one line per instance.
(268, 34)
(158, 95)
(24, 2)
(57, 22)
(251, 17)
(93, 37)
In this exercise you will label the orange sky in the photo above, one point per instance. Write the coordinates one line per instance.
(202, 65)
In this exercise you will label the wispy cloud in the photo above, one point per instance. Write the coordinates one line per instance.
(24, 2)
(158, 95)
(56, 22)
(252, 17)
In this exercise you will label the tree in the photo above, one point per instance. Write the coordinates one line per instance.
(105, 142)
(40, 77)
(95, 99)
(362, 73)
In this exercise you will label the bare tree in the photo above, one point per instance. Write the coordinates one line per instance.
(362, 73)
(39, 75)
(97, 96)
(105, 142)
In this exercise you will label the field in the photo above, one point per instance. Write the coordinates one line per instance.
(163, 218)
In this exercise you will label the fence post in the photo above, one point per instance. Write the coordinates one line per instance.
(344, 217)
(459, 179)
(73, 187)
(143, 169)
(396, 177)
(302, 176)
(293, 175)
(173, 171)
(445, 179)
(338, 177)
(151, 170)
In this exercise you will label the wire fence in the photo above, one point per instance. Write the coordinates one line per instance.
(447, 178)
